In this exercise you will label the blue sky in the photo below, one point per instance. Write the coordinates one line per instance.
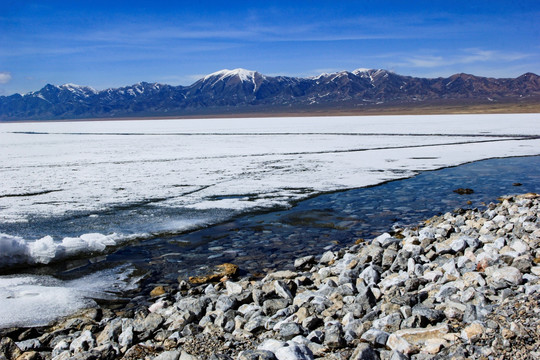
(117, 43)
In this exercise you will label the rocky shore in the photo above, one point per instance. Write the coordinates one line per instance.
(465, 285)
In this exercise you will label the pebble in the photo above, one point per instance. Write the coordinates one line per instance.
(466, 285)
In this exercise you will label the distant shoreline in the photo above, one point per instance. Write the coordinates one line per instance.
(427, 109)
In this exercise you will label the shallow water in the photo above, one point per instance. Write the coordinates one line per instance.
(264, 241)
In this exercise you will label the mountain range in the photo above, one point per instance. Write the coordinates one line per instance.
(231, 91)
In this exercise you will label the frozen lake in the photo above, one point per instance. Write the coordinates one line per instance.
(78, 189)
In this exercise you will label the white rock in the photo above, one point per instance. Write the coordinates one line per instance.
(520, 246)
(168, 355)
(397, 343)
(508, 273)
(233, 288)
(294, 351)
(271, 345)
(83, 343)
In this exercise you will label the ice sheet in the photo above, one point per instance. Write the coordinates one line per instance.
(54, 168)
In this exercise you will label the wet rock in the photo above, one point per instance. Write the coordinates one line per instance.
(304, 262)
(464, 191)
(226, 270)
(158, 291)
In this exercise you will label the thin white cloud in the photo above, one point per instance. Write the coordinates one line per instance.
(5, 77)
(468, 56)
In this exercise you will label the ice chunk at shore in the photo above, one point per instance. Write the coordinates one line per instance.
(31, 300)
(16, 250)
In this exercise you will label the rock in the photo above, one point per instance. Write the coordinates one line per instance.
(110, 332)
(421, 335)
(389, 323)
(31, 344)
(289, 330)
(431, 316)
(30, 355)
(370, 275)
(364, 352)
(375, 337)
(83, 343)
(233, 288)
(327, 257)
(509, 274)
(256, 355)
(294, 351)
(433, 346)
(125, 339)
(270, 307)
(186, 356)
(157, 291)
(282, 290)
(282, 275)
(168, 355)
(226, 270)
(472, 332)
(464, 191)
(397, 343)
(271, 345)
(333, 337)
(255, 324)
(225, 302)
(304, 262)
(9, 348)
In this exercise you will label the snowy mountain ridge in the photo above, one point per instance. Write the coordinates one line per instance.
(227, 90)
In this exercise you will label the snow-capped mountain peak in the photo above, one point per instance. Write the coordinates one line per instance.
(243, 74)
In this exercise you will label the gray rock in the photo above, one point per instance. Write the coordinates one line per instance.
(311, 322)
(195, 306)
(271, 306)
(282, 290)
(304, 262)
(110, 332)
(225, 303)
(255, 324)
(432, 316)
(289, 330)
(389, 323)
(370, 275)
(327, 257)
(364, 352)
(333, 335)
(168, 355)
(31, 344)
(376, 337)
(316, 336)
(185, 356)
(256, 355)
